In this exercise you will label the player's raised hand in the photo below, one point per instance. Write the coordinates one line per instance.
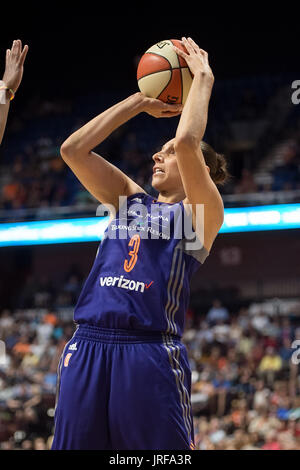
(158, 108)
(14, 65)
(196, 58)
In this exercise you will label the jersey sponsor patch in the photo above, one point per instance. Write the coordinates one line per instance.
(123, 283)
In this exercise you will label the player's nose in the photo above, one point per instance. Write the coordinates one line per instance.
(158, 157)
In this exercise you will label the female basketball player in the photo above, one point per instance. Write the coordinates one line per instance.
(124, 378)
(11, 80)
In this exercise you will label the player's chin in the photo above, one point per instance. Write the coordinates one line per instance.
(158, 182)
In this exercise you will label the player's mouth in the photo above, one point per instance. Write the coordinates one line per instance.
(158, 170)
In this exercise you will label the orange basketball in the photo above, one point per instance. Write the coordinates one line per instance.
(162, 74)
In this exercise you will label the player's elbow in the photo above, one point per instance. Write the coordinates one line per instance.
(69, 149)
(186, 141)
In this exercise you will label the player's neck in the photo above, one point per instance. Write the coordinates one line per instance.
(170, 198)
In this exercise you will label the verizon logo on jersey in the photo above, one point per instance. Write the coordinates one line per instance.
(124, 283)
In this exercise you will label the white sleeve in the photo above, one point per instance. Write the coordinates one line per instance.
(2, 93)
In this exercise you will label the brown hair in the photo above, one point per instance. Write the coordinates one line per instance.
(216, 163)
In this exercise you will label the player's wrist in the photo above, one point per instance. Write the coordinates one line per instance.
(6, 92)
(140, 100)
(206, 77)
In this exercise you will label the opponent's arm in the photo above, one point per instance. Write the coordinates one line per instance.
(11, 79)
(198, 185)
(102, 179)
(4, 108)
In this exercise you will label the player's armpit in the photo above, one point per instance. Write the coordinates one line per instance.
(101, 178)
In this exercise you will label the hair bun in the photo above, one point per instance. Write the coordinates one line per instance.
(217, 164)
(221, 175)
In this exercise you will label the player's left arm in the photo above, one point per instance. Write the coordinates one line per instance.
(198, 185)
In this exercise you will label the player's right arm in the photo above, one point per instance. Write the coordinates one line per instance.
(102, 179)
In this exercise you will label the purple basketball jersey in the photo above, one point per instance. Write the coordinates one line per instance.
(141, 274)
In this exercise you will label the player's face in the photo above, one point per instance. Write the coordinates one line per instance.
(166, 176)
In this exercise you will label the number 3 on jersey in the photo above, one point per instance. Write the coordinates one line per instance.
(135, 242)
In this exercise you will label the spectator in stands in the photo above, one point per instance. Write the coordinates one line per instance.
(261, 395)
(286, 329)
(286, 351)
(272, 442)
(270, 364)
(217, 312)
(260, 321)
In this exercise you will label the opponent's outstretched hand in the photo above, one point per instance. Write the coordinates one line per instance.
(14, 65)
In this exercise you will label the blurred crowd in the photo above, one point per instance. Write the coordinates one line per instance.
(245, 380)
(245, 385)
(285, 176)
(34, 341)
(33, 175)
(38, 177)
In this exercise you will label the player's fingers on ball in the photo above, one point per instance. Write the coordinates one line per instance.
(173, 108)
(169, 114)
(7, 54)
(168, 109)
(193, 44)
(203, 52)
(187, 44)
(204, 55)
(179, 52)
(184, 39)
